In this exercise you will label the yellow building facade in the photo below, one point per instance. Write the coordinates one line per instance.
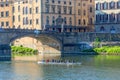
(43, 14)
(5, 14)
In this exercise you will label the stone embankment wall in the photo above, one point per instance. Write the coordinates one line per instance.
(76, 42)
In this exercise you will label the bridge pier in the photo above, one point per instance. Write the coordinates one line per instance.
(5, 52)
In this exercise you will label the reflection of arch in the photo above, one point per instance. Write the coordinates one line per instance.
(102, 28)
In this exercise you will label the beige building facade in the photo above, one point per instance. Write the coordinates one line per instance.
(72, 15)
(5, 14)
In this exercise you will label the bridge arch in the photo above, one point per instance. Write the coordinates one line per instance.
(50, 42)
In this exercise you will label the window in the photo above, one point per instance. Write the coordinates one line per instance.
(102, 29)
(64, 2)
(53, 8)
(59, 2)
(7, 24)
(79, 12)
(47, 8)
(91, 21)
(105, 5)
(90, 0)
(70, 3)
(53, 1)
(2, 4)
(53, 20)
(36, 9)
(59, 9)
(112, 17)
(70, 10)
(47, 20)
(30, 22)
(90, 9)
(65, 21)
(26, 20)
(36, 1)
(37, 21)
(18, 8)
(98, 6)
(118, 17)
(7, 13)
(26, 10)
(84, 12)
(19, 18)
(112, 5)
(30, 10)
(2, 14)
(79, 22)
(2, 24)
(70, 21)
(65, 9)
(13, 19)
(13, 9)
(84, 22)
(118, 4)
(112, 29)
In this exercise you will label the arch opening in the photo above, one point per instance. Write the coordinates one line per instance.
(46, 45)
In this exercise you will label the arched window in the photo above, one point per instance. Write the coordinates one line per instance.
(26, 10)
(112, 5)
(112, 17)
(118, 4)
(112, 29)
(105, 5)
(102, 29)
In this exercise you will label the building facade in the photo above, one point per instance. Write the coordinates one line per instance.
(50, 15)
(5, 14)
(72, 15)
(107, 17)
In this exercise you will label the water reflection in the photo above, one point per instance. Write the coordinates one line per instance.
(92, 68)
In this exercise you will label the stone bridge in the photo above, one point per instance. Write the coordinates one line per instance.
(62, 43)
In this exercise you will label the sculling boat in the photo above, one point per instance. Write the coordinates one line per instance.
(60, 63)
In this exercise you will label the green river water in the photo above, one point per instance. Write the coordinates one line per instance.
(92, 68)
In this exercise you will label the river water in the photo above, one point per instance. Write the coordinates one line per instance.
(92, 68)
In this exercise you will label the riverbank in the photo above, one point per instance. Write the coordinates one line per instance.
(106, 50)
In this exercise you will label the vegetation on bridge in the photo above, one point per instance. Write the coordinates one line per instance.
(23, 51)
(109, 50)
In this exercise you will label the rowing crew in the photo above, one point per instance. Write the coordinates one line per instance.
(68, 62)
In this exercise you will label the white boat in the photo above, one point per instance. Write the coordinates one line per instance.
(60, 63)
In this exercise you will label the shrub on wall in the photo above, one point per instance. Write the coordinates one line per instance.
(21, 51)
(106, 49)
